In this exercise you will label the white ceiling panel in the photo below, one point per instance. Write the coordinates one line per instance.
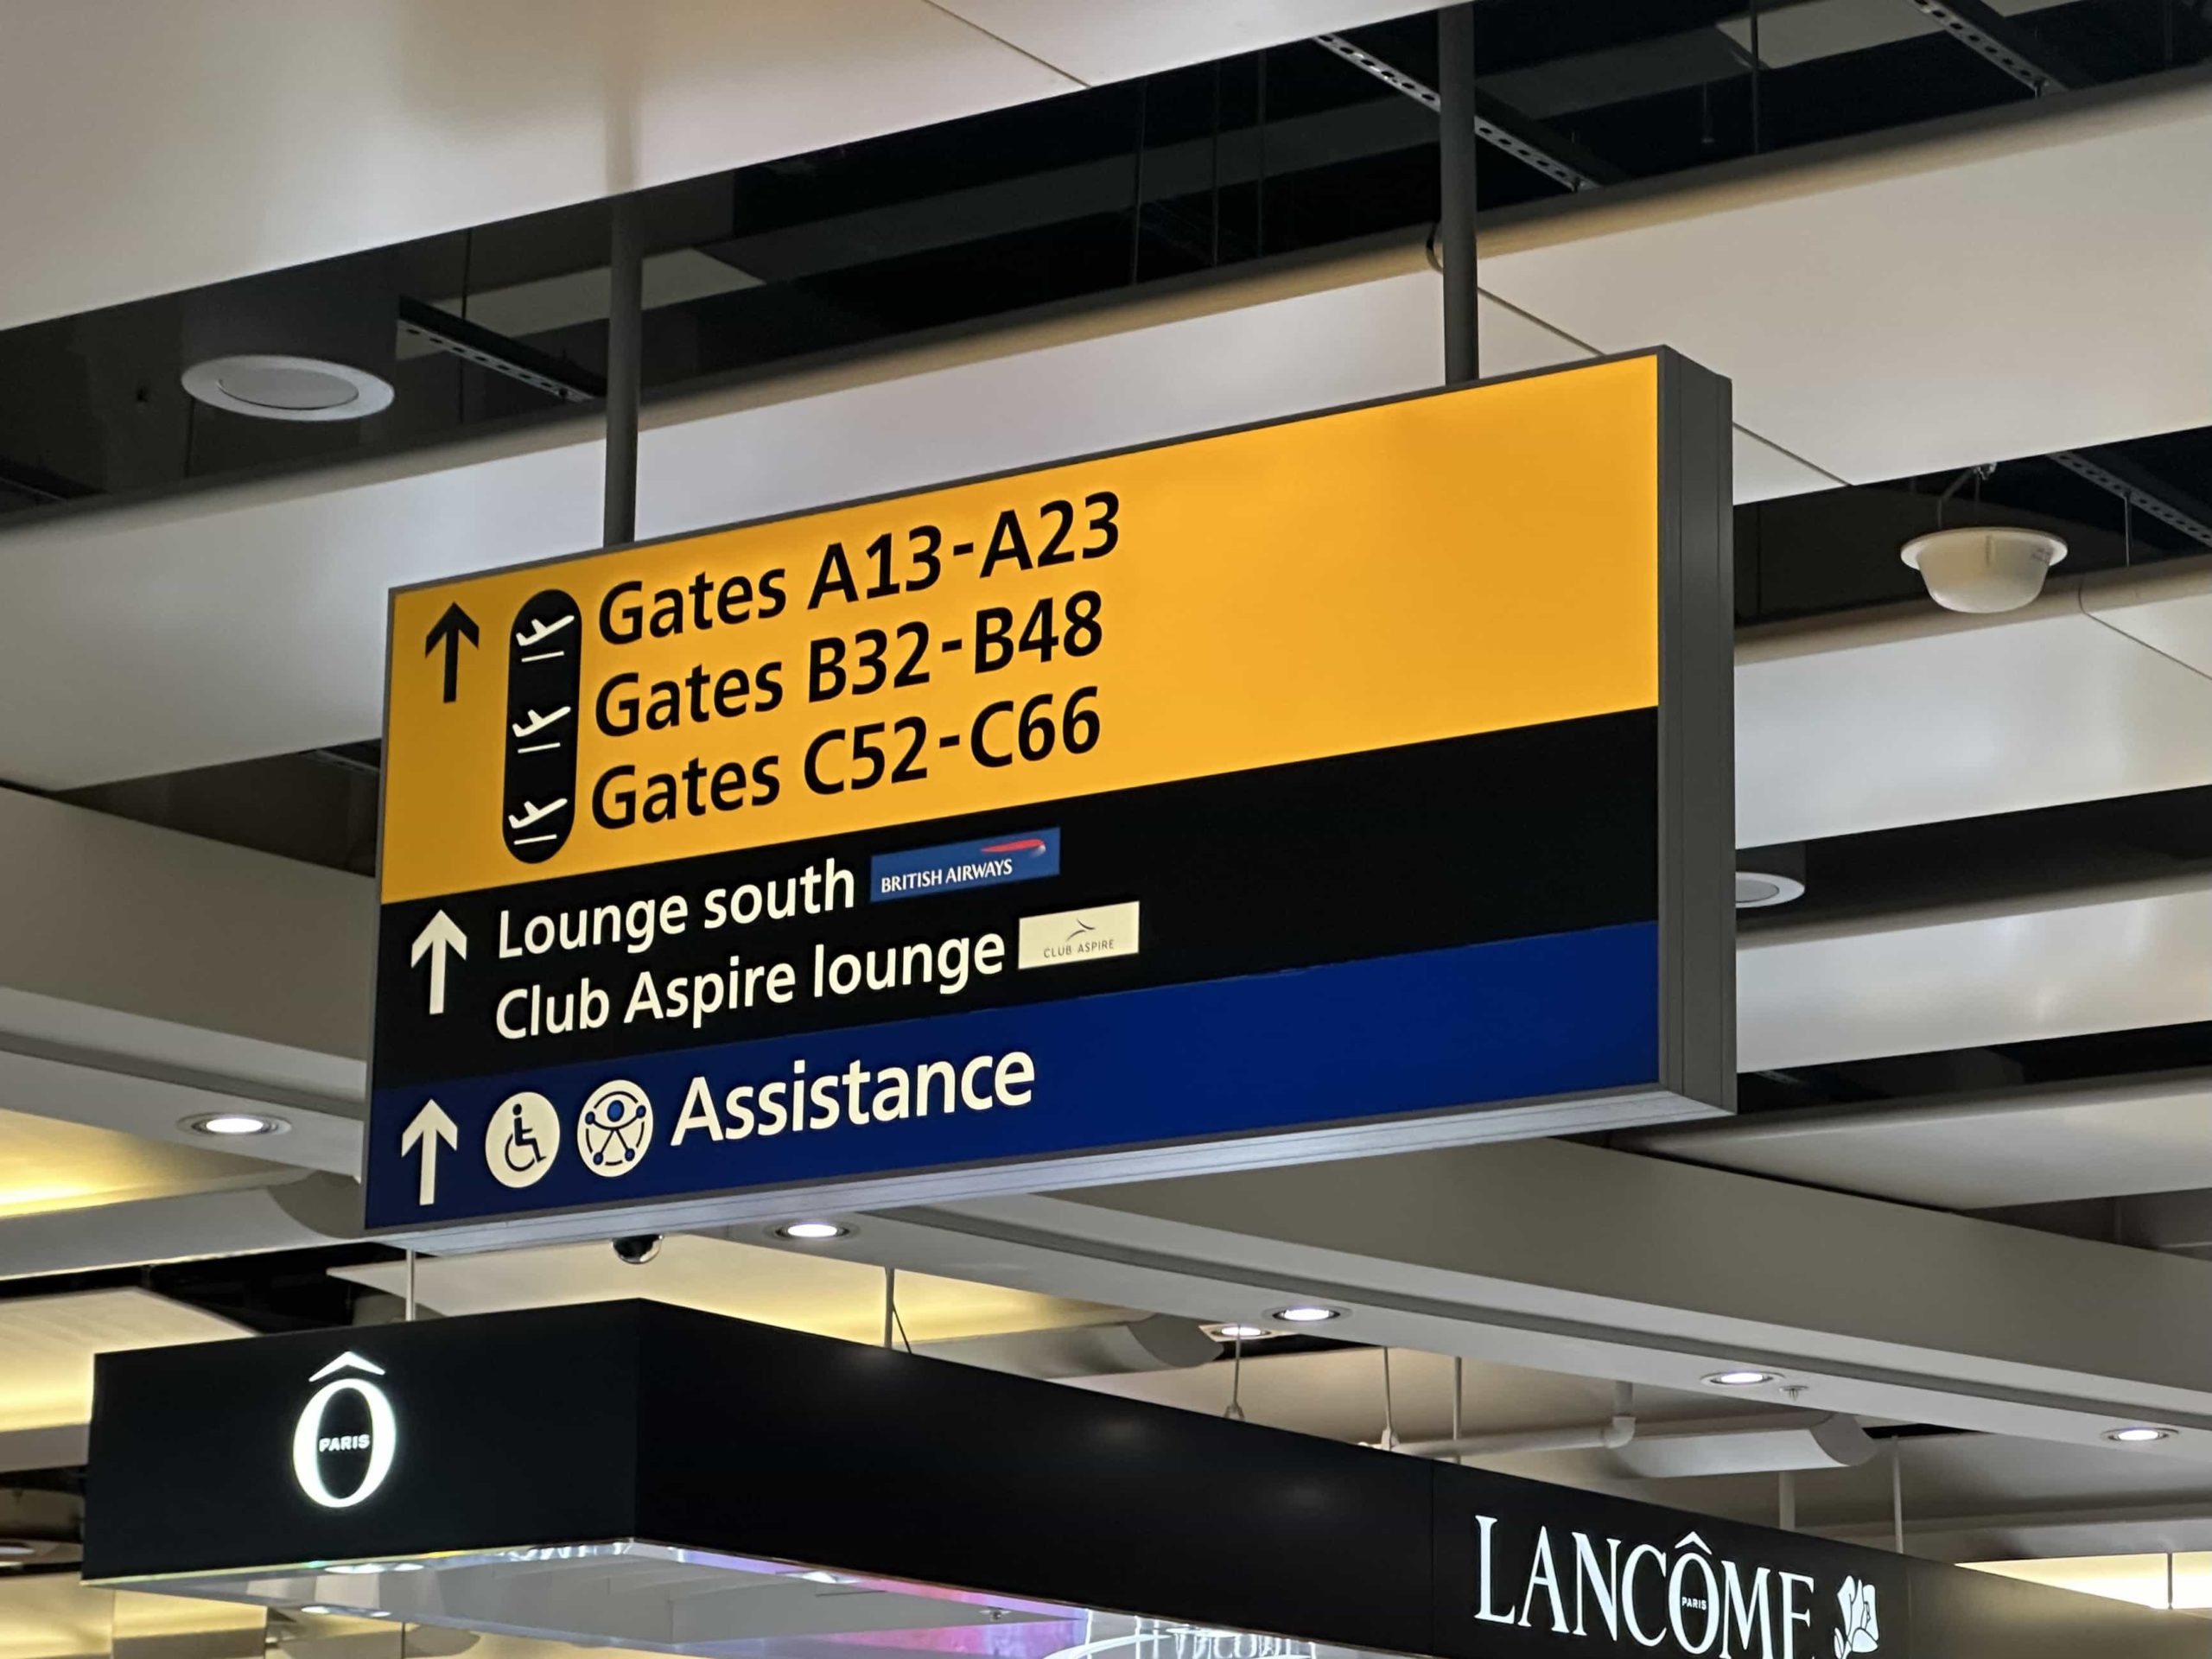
(2058, 966)
(1917, 715)
(1126, 38)
(1889, 311)
(49, 1165)
(180, 683)
(294, 1211)
(223, 137)
(1766, 470)
(2167, 607)
(47, 1345)
(2100, 1141)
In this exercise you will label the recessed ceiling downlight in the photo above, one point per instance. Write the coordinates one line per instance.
(1306, 1313)
(1238, 1332)
(811, 1232)
(2139, 1433)
(232, 1125)
(1743, 1377)
(273, 387)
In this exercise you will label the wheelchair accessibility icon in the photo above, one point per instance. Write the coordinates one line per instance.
(615, 1128)
(522, 1140)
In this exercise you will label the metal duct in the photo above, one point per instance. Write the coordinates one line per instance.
(1158, 1342)
(1745, 1446)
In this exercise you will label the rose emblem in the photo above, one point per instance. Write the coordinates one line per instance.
(1858, 1630)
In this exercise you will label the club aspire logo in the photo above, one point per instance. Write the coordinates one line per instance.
(346, 1435)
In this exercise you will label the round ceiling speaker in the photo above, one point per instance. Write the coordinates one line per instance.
(316, 343)
(1983, 568)
(1757, 889)
(272, 386)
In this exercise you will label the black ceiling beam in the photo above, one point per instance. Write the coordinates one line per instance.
(1997, 39)
(365, 758)
(1522, 136)
(36, 481)
(474, 343)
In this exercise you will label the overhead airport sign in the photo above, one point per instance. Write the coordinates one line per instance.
(636, 1476)
(1342, 784)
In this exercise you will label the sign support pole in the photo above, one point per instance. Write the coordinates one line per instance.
(625, 329)
(1455, 89)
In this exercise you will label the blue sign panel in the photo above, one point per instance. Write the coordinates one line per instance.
(1566, 1012)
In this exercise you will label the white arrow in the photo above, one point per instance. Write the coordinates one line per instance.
(439, 935)
(431, 1125)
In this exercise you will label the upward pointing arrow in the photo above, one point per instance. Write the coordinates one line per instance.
(455, 625)
(439, 935)
(431, 1125)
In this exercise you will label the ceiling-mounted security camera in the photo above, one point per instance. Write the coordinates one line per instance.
(1983, 568)
(637, 1249)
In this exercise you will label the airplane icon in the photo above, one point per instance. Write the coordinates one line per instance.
(541, 632)
(538, 722)
(533, 813)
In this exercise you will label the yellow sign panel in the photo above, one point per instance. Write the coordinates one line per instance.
(1430, 568)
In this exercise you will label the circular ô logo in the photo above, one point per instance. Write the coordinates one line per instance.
(314, 1436)
(615, 1128)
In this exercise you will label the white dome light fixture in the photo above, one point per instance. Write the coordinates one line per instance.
(1983, 568)
(271, 386)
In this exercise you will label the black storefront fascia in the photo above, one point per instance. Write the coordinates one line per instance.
(652, 1477)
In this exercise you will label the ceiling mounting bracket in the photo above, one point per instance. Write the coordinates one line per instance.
(1982, 30)
(2146, 495)
(1519, 135)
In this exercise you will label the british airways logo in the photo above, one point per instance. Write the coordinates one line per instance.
(1023, 856)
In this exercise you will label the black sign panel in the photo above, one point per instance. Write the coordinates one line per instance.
(519, 1430)
(1578, 1573)
(553, 1434)
(1282, 866)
